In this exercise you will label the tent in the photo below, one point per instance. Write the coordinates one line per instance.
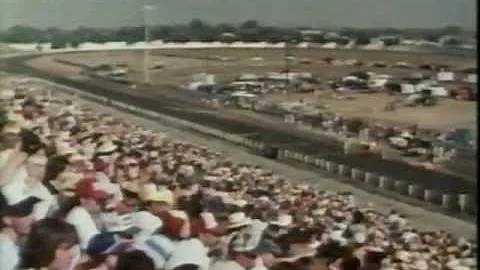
(438, 91)
(407, 88)
(445, 76)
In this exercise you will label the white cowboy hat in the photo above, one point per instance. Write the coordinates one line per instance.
(283, 220)
(106, 147)
(150, 193)
(237, 220)
(186, 170)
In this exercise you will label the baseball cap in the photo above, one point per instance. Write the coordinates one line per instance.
(107, 243)
(86, 188)
(19, 209)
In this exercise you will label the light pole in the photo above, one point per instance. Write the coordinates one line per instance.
(146, 52)
(286, 55)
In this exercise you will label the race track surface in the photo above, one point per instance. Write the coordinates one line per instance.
(182, 105)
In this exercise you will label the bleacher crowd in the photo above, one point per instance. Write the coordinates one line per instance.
(84, 190)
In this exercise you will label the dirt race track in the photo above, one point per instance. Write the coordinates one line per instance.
(181, 64)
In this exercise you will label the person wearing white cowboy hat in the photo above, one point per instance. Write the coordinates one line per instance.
(158, 201)
(238, 220)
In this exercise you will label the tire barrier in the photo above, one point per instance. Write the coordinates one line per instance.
(415, 191)
(432, 196)
(464, 203)
(371, 179)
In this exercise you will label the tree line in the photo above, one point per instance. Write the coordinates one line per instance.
(198, 30)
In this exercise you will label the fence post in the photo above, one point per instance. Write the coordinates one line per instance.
(414, 190)
(463, 202)
(399, 186)
(446, 201)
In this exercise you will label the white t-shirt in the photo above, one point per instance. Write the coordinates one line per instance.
(84, 224)
(9, 257)
(226, 265)
(48, 203)
(190, 251)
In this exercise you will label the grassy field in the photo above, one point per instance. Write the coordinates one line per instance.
(180, 65)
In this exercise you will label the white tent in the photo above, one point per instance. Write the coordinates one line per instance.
(408, 88)
(445, 76)
(438, 91)
(471, 78)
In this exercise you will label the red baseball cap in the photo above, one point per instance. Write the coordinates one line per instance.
(86, 189)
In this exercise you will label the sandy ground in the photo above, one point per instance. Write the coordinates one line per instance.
(419, 217)
(179, 70)
(4, 49)
(449, 113)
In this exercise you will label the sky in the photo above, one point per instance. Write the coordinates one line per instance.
(315, 13)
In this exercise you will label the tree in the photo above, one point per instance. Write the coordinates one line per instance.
(250, 24)
(391, 41)
(432, 38)
(58, 43)
(451, 42)
(362, 40)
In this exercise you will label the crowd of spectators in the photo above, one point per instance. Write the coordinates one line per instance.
(84, 190)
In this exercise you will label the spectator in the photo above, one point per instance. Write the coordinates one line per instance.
(52, 244)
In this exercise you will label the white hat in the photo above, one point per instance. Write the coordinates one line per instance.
(240, 203)
(319, 212)
(337, 236)
(186, 170)
(149, 192)
(249, 239)
(106, 147)
(210, 178)
(283, 220)
(402, 255)
(238, 219)
(420, 265)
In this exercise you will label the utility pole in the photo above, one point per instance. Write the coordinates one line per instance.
(146, 52)
(286, 57)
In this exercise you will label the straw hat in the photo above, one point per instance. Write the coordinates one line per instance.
(150, 193)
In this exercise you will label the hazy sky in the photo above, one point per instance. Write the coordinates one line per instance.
(317, 13)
